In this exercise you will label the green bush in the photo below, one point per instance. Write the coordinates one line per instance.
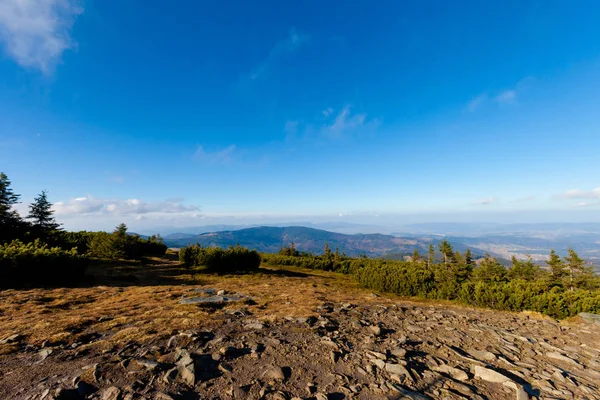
(215, 259)
(121, 245)
(36, 263)
(525, 286)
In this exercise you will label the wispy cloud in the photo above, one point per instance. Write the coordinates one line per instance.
(327, 112)
(290, 44)
(88, 205)
(581, 194)
(485, 201)
(506, 96)
(586, 204)
(35, 33)
(477, 102)
(222, 156)
(346, 124)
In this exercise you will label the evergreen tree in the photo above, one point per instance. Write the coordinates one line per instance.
(447, 251)
(461, 270)
(416, 256)
(40, 212)
(489, 270)
(327, 251)
(525, 270)
(556, 266)
(579, 274)
(430, 256)
(10, 221)
(469, 259)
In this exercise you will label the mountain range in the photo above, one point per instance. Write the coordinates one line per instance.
(500, 240)
(271, 239)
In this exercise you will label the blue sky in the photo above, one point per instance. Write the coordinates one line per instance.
(213, 112)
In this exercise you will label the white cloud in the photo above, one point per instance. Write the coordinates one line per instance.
(486, 201)
(506, 96)
(81, 206)
(477, 102)
(585, 204)
(346, 123)
(287, 46)
(223, 156)
(327, 112)
(35, 33)
(581, 194)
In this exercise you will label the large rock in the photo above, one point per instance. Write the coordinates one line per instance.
(590, 318)
(397, 369)
(455, 373)
(274, 373)
(489, 375)
(111, 393)
(557, 356)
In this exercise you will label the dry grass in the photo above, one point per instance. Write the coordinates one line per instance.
(123, 311)
(135, 302)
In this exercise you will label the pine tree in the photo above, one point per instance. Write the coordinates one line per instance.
(490, 270)
(525, 270)
(10, 221)
(40, 212)
(430, 256)
(447, 251)
(556, 266)
(327, 251)
(579, 273)
(8, 198)
(416, 256)
(469, 258)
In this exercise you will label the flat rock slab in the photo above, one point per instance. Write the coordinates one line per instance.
(216, 300)
(207, 291)
(590, 318)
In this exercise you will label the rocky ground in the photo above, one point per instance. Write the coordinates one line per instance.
(337, 342)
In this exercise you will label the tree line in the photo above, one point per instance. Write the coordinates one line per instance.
(564, 287)
(35, 249)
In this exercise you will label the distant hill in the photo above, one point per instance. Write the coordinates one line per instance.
(271, 239)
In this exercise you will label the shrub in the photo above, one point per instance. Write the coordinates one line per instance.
(36, 263)
(215, 259)
(524, 287)
(121, 245)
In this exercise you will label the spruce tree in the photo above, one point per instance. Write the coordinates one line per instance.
(446, 249)
(41, 213)
(556, 266)
(579, 273)
(10, 221)
(469, 258)
(430, 256)
(416, 256)
(8, 198)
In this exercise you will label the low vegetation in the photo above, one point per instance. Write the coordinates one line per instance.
(214, 259)
(36, 262)
(567, 287)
